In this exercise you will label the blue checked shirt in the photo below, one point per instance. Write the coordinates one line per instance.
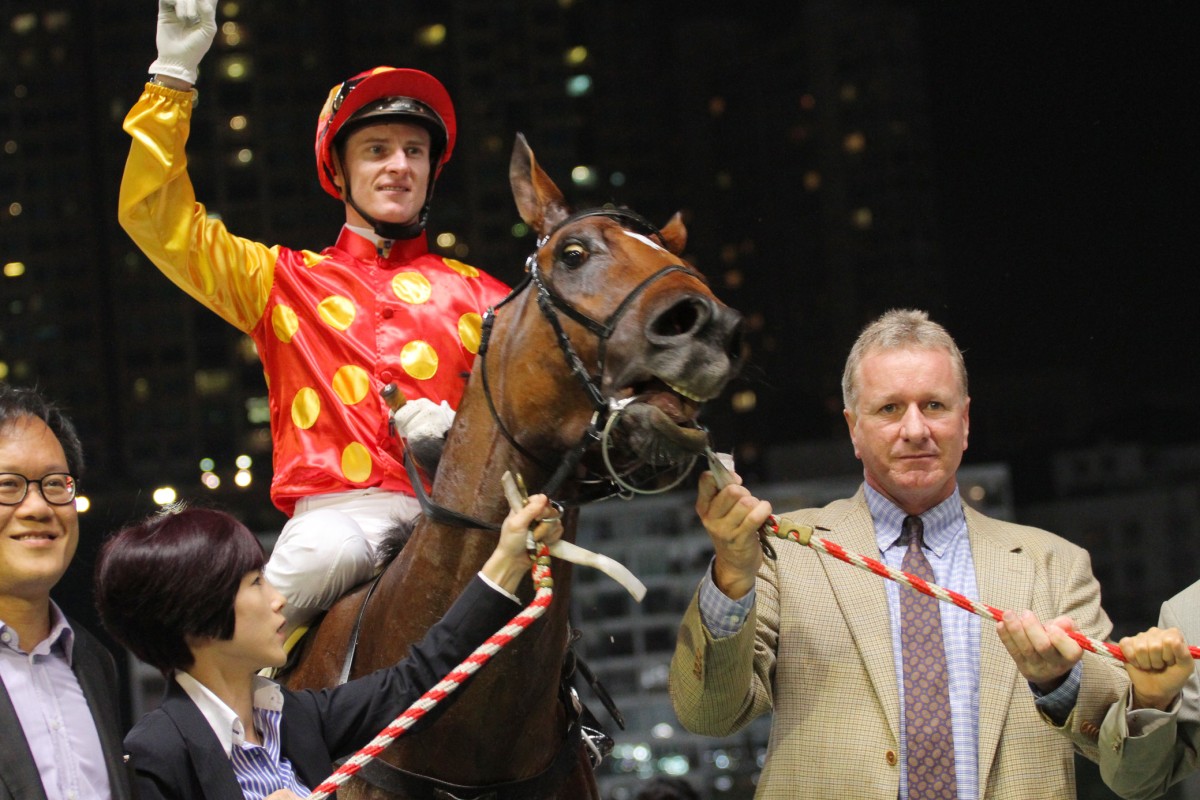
(948, 549)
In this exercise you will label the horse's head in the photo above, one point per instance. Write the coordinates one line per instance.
(635, 331)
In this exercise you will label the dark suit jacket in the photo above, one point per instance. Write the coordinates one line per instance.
(175, 754)
(93, 665)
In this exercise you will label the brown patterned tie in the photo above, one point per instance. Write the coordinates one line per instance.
(927, 726)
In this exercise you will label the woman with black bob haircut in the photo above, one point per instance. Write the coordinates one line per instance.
(184, 592)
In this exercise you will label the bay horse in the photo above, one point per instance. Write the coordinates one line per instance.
(611, 342)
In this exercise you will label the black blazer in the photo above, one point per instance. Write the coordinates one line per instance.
(175, 754)
(93, 666)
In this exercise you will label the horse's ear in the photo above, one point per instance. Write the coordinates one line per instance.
(674, 234)
(539, 201)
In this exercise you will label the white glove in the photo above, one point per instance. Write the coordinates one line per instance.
(421, 418)
(186, 29)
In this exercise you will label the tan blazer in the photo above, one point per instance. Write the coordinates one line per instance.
(817, 652)
(1163, 753)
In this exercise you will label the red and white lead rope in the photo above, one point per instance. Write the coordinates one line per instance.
(516, 626)
(784, 528)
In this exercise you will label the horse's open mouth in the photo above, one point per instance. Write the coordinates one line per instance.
(667, 414)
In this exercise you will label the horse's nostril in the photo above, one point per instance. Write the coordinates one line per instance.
(682, 319)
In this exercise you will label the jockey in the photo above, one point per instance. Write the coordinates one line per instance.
(331, 327)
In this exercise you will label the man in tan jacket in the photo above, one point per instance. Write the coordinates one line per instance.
(817, 643)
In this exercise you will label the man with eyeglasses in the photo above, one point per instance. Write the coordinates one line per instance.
(58, 685)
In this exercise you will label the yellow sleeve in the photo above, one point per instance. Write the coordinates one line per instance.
(158, 209)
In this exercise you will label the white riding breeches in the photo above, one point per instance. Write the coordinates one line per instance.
(330, 545)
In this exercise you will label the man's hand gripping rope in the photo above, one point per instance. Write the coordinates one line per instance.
(784, 528)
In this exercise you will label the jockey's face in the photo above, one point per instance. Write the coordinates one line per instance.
(910, 425)
(388, 167)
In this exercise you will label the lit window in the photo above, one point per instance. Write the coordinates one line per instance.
(583, 176)
(23, 24)
(236, 68)
(238, 122)
(812, 180)
(244, 156)
(519, 229)
(231, 34)
(258, 411)
(854, 142)
(165, 495)
(446, 240)
(863, 218)
(745, 401)
(431, 35)
(617, 179)
(10, 147)
(14, 269)
(15, 209)
(579, 85)
(575, 56)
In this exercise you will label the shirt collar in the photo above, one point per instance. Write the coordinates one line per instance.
(61, 634)
(942, 523)
(220, 717)
(366, 245)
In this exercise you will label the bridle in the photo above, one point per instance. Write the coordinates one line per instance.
(553, 307)
(605, 413)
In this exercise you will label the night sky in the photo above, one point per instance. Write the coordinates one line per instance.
(1067, 175)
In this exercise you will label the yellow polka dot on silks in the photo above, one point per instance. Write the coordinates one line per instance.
(337, 311)
(285, 323)
(419, 359)
(411, 287)
(311, 259)
(466, 270)
(356, 463)
(306, 407)
(351, 384)
(470, 327)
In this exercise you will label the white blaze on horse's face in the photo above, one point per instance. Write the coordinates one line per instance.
(645, 240)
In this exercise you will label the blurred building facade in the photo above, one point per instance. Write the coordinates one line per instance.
(803, 173)
(793, 137)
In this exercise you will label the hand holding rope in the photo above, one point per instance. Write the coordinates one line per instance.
(784, 528)
(544, 584)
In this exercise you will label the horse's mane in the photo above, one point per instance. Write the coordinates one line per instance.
(394, 540)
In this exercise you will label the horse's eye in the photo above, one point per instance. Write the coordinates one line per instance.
(573, 255)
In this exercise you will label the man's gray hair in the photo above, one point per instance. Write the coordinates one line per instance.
(897, 329)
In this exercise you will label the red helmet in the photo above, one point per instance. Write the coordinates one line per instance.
(407, 95)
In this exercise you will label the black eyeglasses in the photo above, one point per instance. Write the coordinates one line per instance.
(58, 489)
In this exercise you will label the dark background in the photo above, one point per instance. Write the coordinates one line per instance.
(1066, 171)
(1061, 154)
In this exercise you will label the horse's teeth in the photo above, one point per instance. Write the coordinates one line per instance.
(684, 392)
